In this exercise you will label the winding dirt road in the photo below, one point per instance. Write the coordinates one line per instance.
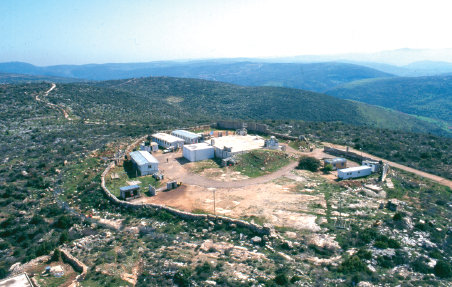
(175, 171)
(66, 115)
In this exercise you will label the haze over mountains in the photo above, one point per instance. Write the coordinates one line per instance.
(368, 78)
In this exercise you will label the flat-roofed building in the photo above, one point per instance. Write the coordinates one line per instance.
(228, 146)
(375, 165)
(354, 172)
(337, 163)
(188, 137)
(145, 162)
(198, 152)
(167, 141)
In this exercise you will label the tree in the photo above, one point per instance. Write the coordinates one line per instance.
(310, 163)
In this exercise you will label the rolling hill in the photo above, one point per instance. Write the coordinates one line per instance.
(316, 77)
(424, 96)
(180, 99)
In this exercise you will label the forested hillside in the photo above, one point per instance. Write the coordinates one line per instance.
(425, 96)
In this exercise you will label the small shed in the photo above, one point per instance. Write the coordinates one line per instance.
(374, 165)
(354, 172)
(198, 152)
(154, 146)
(129, 192)
(337, 163)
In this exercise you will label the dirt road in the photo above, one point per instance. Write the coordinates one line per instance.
(436, 178)
(174, 170)
(66, 115)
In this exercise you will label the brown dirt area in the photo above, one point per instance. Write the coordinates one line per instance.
(273, 203)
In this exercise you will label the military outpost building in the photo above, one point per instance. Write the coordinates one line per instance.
(188, 137)
(145, 162)
(168, 141)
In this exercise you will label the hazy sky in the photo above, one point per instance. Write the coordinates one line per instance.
(47, 32)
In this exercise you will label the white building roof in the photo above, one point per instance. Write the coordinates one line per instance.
(335, 160)
(143, 157)
(186, 134)
(356, 168)
(198, 146)
(167, 137)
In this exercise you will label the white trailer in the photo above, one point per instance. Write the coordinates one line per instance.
(354, 172)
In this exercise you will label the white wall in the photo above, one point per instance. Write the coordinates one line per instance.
(145, 170)
(198, 154)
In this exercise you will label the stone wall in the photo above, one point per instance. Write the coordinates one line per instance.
(76, 264)
(344, 153)
(182, 214)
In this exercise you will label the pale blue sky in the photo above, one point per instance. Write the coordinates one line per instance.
(48, 32)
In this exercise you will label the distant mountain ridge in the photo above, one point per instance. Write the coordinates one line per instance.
(316, 77)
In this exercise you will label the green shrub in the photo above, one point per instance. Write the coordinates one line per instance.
(420, 266)
(368, 234)
(353, 265)
(397, 217)
(309, 163)
(443, 269)
(56, 256)
(364, 254)
(295, 278)
(281, 279)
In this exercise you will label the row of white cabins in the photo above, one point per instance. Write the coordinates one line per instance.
(147, 164)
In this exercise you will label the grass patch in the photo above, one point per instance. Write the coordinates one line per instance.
(114, 184)
(260, 162)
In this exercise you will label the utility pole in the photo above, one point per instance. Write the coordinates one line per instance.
(214, 203)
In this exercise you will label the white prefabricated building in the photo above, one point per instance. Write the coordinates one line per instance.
(188, 137)
(375, 165)
(145, 162)
(198, 152)
(167, 141)
(354, 172)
